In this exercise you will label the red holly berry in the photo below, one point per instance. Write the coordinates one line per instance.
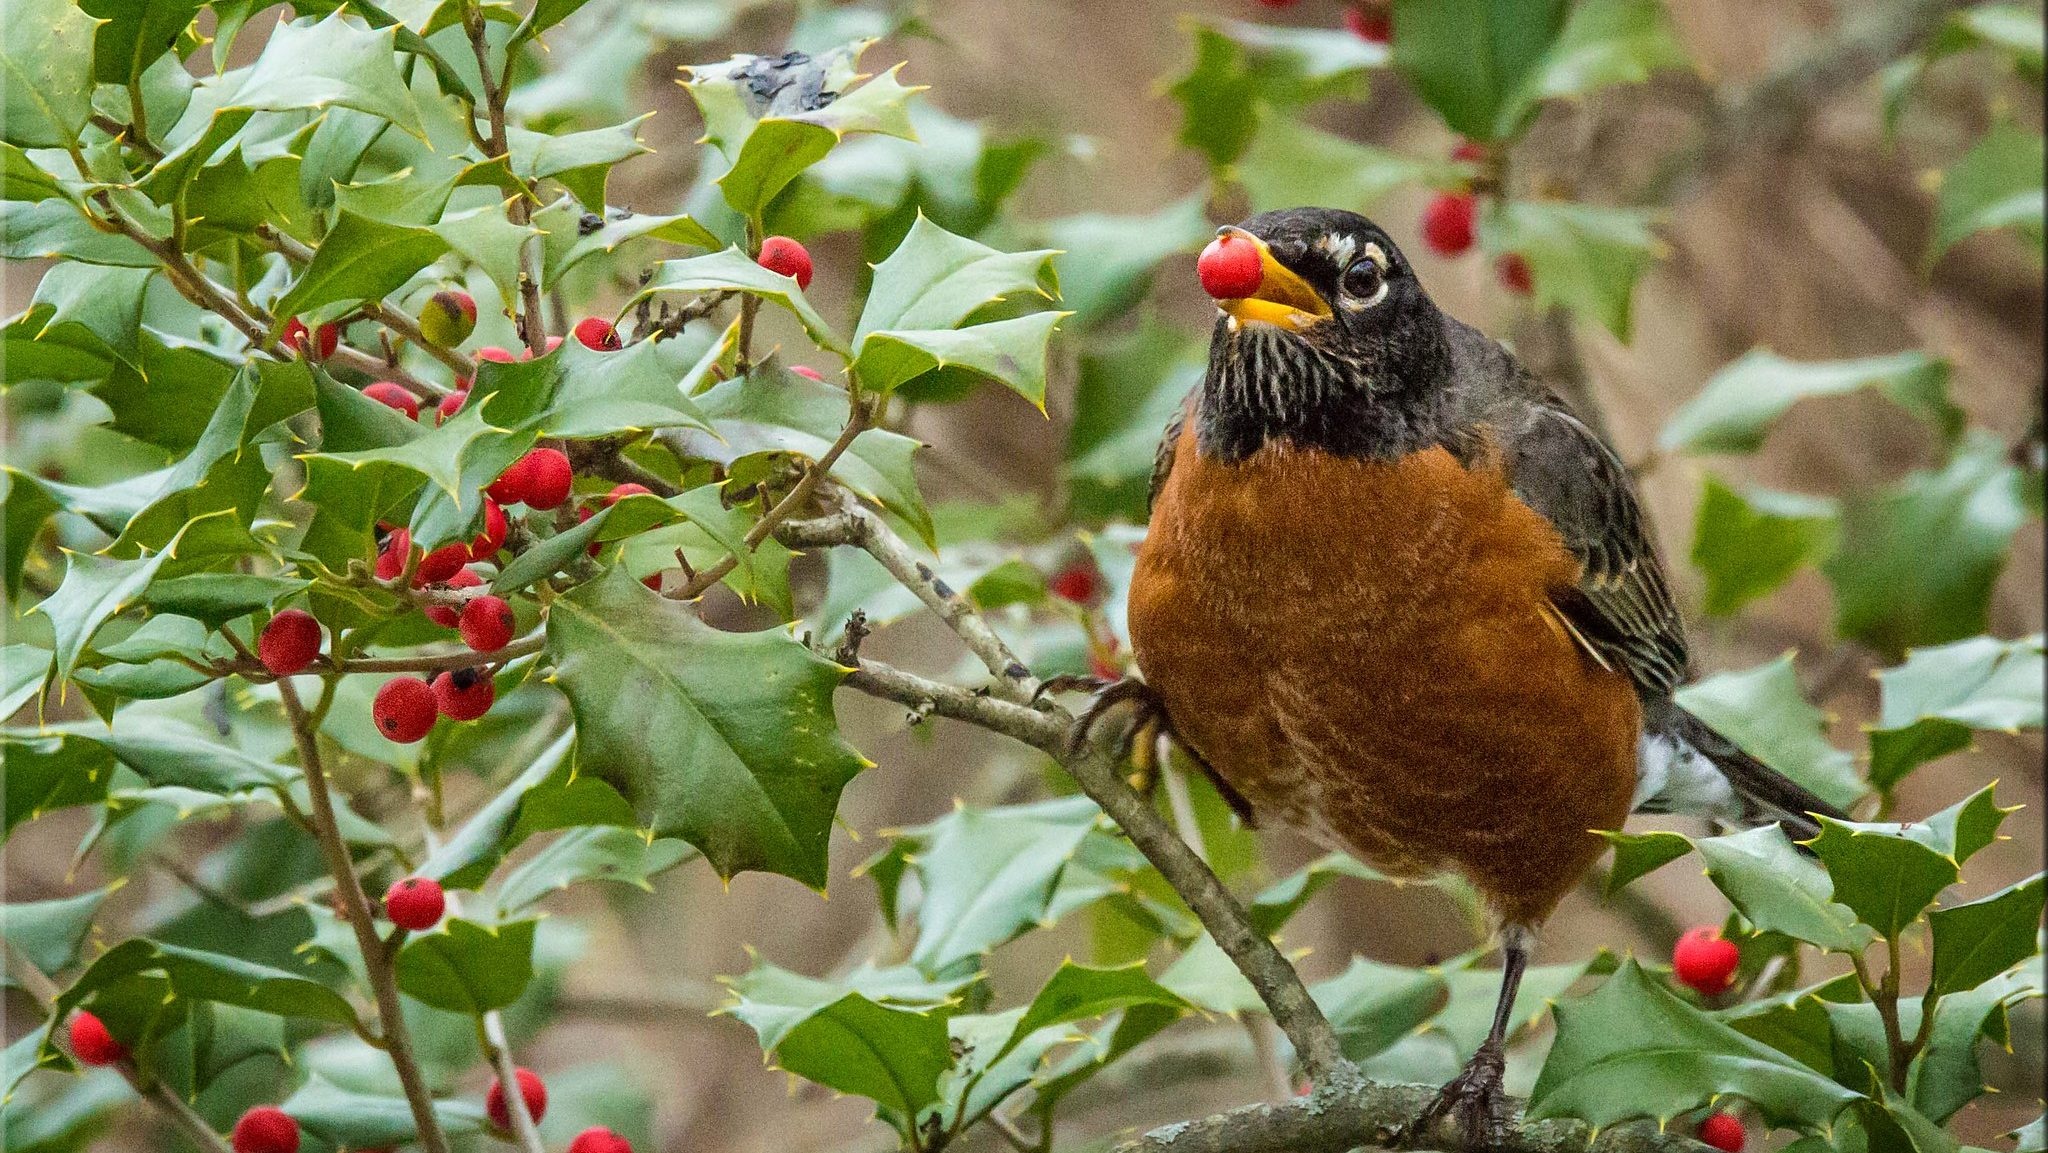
(595, 546)
(487, 623)
(404, 709)
(1448, 221)
(806, 371)
(1724, 1132)
(547, 346)
(440, 565)
(599, 1140)
(1076, 583)
(392, 395)
(289, 643)
(531, 1090)
(785, 257)
(464, 694)
(495, 355)
(415, 903)
(391, 557)
(1470, 152)
(546, 479)
(448, 317)
(510, 487)
(1372, 25)
(266, 1129)
(1514, 274)
(625, 490)
(91, 1043)
(489, 541)
(1230, 268)
(322, 341)
(450, 405)
(1705, 961)
(448, 616)
(597, 332)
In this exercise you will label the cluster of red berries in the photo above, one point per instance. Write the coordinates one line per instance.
(269, 1129)
(1450, 225)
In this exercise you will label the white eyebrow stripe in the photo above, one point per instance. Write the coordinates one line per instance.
(1338, 248)
(1376, 254)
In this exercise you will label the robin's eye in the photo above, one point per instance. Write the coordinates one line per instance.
(1364, 280)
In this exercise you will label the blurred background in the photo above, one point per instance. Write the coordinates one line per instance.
(1809, 240)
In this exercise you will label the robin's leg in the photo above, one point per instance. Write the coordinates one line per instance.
(1474, 1099)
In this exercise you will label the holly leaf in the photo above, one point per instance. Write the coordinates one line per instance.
(135, 34)
(724, 739)
(47, 62)
(1270, 911)
(732, 270)
(1469, 59)
(1009, 352)
(1372, 1005)
(599, 853)
(332, 62)
(49, 934)
(50, 772)
(1998, 184)
(94, 590)
(1240, 66)
(1748, 543)
(779, 148)
(1976, 941)
(348, 1119)
(359, 259)
(1761, 710)
(198, 975)
(1886, 878)
(465, 967)
(1779, 891)
(580, 161)
(1631, 1048)
(1934, 701)
(1582, 257)
(569, 240)
(935, 280)
(1738, 406)
(989, 874)
(1603, 43)
(1886, 594)
(1639, 854)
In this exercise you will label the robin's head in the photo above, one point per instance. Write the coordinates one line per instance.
(1335, 331)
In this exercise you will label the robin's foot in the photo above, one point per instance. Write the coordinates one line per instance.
(1473, 1102)
(1138, 741)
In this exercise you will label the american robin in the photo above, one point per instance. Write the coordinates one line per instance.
(1396, 595)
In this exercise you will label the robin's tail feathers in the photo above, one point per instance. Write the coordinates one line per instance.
(1685, 766)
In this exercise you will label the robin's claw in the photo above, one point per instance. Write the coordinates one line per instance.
(1069, 683)
(1473, 1102)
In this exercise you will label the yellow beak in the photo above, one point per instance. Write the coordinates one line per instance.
(1283, 298)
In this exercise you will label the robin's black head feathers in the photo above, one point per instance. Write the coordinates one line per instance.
(1339, 348)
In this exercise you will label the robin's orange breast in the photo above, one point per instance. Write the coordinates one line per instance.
(1367, 651)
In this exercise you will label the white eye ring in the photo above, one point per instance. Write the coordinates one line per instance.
(1378, 256)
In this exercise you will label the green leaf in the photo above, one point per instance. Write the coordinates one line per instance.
(734, 271)
(601, 853)
(94, 589)
(1738, 406)
(1077, 992)
(47, 93)
(935, 280)
(464, 967)
(1371, 1005)
(1976, 941)
(1604, 43)
(1009, 352)
(1779, 891)
(1748, 544)
(1240, 66)
(465, 859)
(203, 976)
(1997, 185)
(1582, 257)
(55, 229)
(165, 751)
(1887, 878)
(1105, 263)
(1288, 162)
(1468, 59)
(51, 933)
(780, 147)
(1638, 854)
(135, 35)
(1270, 911)
(1947, 1075)
(360, 259)
(1963, 828)
(566, 244)
(332, 62)
(580, 161)
(1204, 976)
(1761, 710)
(1796, 1024)
(1886, 594)
(1939, 696)
(990, 874)
(47, 773)
(349, 1119)
(1633, 1049)
(217, 598)
(725, 739)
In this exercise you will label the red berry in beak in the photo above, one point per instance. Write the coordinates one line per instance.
(1230, 268)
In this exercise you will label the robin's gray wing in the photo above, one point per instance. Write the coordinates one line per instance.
(1162, 457)
(1622, 608)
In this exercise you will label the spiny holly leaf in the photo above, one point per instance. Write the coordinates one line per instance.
(1761, 710)
(580, 161)
(1887, 878)
(734, 271)
(50, 772)
(1963, 828)
(465, 967)
(935, 280)
(1779, 891)
(166, 751)
(1976, 941)
(489, 241)
(53, 229)
(348, 1119)
(1105, 262)
(1633, 1049)
(217, 598)
(600, 853)
(568, 240)
(1748, 543)
(1738, 406)
(1886, 594)
(1933, 701)
(781, 147)
(332, 62)
(136, 34)
(1947, 1076)
(51, 933)
(198, 975)
(1604, 43)
(1010, 352)
(1475, 993)
(1796, 1023)
(1439, 41)
(48, 65)
(1373, 1005)
(1997, 185)
(1239, 66)
(727, 740)
(1081, 992)
(1638, 854)
(989, 874)
(1582, 257)
(103, 303)
(94, 589)
(1204, 976)
(1288, 162)
(360, 259)
(547, 795)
